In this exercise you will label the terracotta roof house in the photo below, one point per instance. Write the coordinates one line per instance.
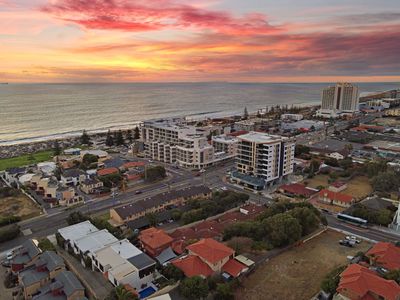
(207, 257)
(297, 189)
(107, 171)
(357, 282)
(333, 198)
(154, 241)
(385, 255)
(337, 186)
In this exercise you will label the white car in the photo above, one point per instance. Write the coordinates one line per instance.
(10, 255)
(202, 170)
(224, 188)
(352, 238)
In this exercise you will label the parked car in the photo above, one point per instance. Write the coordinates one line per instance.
(345, 243)
(353, 238)
(10, 255)
(224, 188)
(6, 263)
(138, 192)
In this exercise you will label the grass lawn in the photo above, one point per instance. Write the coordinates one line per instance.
(297, 274)
(25, 160)
(359, 187)
(317, 180)
(19, 205)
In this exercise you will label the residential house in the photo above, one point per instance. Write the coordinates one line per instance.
(11, 175)
(91, 185)
(64, 286)
(207, 257)
(25, 255)
(67, 195)
(123, 263)
(157, 203)
(74, 232)
(358, 282)
(36, 276)
(385, 255)
(72, 177)
(333, 198)
(297, 189)
(337, 186)
(154, 241)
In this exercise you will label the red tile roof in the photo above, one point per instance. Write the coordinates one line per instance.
(133, 164)
(335, 196)
(338, 184)
(233, 267)
(297, 189)
(107, 171)
(193, 266)
(155, 238)
(210, 250)
(387, 255)
(360, 283)
(184, 234)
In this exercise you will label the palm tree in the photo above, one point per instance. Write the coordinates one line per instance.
(123, 294)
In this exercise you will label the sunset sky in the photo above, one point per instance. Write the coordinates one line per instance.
(194, 40)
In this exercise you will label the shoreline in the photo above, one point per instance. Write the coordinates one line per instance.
(31, 145)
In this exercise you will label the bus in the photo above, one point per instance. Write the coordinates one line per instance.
(352, 220)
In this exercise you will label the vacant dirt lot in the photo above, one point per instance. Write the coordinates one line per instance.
(297, 273)
(18, 206)
(359, 187)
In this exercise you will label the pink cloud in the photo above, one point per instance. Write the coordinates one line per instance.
(144, 15)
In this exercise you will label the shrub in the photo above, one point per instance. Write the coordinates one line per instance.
(9, 232)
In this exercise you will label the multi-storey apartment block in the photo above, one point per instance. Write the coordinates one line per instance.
(263, 159)
(174, 141)
(338, 100)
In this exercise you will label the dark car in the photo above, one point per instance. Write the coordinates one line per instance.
(345, 243)
(138, 192)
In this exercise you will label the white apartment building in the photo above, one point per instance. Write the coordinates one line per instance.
(225, 143)
(263, 156)
(339, 100)
(174, 141)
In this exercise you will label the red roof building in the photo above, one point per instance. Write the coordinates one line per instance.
(385, 255)
(334, 198)
(193, 266)
(133, 164)
(207, 257)
(237, 133)
(107, 171)
(297, 189)
(234, 268)
(357, 282)
(211, 252)
(154, 241)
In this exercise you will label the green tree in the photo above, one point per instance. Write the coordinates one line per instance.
(56, 148)
(129, 136)
(46, 245)
(121, 293)
(224, 292)
(301, 149)
(89, 161)
(119, 140)
(393, 275)
(172, 272)
(136, 133)
(152, 218)
(245, 114)
(109, 139)
(386, 181)
(85, 139)
(8, 233)
(307, 219)
(282, 229)
(331, 281)
(194, 288)
(76, 217)
(155, 173)
(346, 163)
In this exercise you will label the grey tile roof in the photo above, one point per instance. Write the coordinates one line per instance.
(51, 260)
(72, 173)
(166, 255)
(141, 261)
(26, 253)
(30, 276)
(148, 203)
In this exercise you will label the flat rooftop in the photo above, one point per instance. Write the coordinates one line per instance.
(77, 231)
(261, 137)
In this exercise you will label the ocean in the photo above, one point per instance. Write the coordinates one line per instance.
(34, 112)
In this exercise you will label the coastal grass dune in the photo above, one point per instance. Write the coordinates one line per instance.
(25, 160)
